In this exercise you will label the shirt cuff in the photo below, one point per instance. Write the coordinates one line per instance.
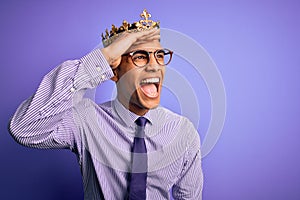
(97, 67)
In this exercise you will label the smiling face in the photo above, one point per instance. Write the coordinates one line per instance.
(139, 88)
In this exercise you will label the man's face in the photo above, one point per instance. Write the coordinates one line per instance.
(139, 88)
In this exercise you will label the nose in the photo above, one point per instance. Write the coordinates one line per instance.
(152, 66)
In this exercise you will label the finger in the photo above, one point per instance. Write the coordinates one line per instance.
(143, 34)
(149, 38)
(149, 34)
(155, 35)
(126, 40)
(129, 38)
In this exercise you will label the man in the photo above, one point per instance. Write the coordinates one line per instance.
(128, 148)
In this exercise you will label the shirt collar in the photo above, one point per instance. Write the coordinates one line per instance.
(129, 117)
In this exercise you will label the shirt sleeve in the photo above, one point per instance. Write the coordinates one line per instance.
(190, 182)
(45, 120)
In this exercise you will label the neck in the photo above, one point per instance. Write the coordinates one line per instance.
(137, 110)
(132, 107)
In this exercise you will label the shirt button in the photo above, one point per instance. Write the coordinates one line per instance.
(98, 68)
(72, 89)
(103, 77)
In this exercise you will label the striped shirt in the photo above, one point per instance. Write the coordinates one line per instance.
(59, 116)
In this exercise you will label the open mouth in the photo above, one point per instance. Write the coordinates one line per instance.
(150, 87)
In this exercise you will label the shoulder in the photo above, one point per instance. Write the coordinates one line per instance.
(176, 122)
(86, 107)
(183, 130)
(167, 116)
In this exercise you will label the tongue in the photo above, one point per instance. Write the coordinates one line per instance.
(149, 90)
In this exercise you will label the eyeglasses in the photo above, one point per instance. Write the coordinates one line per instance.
(141, 58)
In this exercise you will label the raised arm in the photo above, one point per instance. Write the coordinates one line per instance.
(45, 120)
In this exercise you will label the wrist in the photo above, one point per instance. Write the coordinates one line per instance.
(106, 56)
(113, 63)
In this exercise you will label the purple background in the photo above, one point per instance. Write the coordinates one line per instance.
(255, 45)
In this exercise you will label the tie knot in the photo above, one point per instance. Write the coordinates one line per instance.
(141, 121)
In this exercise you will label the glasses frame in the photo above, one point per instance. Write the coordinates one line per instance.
(130, 54)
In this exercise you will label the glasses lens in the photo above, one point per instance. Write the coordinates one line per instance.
(140, 58)
(163, 56)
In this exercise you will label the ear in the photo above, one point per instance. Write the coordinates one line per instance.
(115, 78)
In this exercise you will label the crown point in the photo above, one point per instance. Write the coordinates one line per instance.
(145, 15)
(125, 25)
(114, 29)
(106, 34)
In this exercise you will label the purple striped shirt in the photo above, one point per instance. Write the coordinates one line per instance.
(59, 116)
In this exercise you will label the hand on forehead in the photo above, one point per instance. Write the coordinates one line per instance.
(146, 40)
(127, 42)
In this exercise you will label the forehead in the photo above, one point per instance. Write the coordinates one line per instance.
(149, 46)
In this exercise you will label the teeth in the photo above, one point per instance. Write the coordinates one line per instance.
(150, 80)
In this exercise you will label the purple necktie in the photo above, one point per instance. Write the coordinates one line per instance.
(138, 178)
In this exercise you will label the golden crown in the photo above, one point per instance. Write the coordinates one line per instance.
(144, 24)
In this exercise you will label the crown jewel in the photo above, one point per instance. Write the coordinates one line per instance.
(144, 24)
